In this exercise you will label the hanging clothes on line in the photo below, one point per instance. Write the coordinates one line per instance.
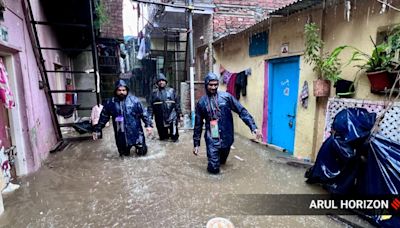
(241, 84)
(6, 96)
(230, 88)
(142, 49)
(236, 82)
(226, 76)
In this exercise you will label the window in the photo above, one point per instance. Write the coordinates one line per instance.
(258, 44)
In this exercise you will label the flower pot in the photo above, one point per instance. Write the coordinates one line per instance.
(322, 88)
(344, 88)
(392, 77)
(379, 81)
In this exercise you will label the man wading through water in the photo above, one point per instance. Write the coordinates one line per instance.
(216, 109)
(164, 104)
(126, 112)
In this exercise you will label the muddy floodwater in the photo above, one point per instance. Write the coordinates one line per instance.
(89, 185)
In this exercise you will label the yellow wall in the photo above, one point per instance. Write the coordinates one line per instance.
(365, 21)
(232, 53)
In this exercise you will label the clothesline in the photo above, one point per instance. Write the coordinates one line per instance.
(236, 82)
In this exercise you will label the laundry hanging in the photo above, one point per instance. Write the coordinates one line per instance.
(226, 76)
(236, 82)
(142, 49)
(6, 96)
(241, 84)
(230, 88)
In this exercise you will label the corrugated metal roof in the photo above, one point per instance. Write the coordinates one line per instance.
(295, 7)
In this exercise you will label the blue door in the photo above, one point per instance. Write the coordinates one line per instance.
(283, 81)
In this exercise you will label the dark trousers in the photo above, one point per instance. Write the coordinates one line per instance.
(168, 132)
(216, 158)
(141, 150)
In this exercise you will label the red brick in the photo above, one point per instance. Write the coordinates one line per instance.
(114, 27)
(235, 23)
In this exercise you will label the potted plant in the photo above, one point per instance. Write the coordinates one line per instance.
(376, 67)
(380, 62)
(344, 88)
(326, 65)
(332, 69)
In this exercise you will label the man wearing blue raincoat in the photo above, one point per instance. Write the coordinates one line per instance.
(215, 108)
(127, 113)
(164, 105)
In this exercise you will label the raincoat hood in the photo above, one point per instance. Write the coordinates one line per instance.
(120, 83)
(210, 77)
(161, 77)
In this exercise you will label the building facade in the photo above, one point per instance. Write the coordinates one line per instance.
(28, 125)
(276, 105)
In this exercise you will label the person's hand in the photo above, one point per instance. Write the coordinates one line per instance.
(95, 135)
(196, 150)
(258, 134)
(149, 131)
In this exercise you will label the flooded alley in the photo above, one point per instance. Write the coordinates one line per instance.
(89, 185)
(288, 73)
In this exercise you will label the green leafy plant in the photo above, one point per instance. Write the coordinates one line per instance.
(384, 56)
(379, 60)
(394, 45)
(326, 65)
(101, 17)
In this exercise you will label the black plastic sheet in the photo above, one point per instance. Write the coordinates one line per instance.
(83, 127)
(382, 172)
(339, 159)
(352, 161)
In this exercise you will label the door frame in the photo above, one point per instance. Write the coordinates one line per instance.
(269, 77)
(15, 115)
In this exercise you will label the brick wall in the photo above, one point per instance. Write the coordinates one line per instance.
(202, 36)
(232, 16)
(202, 32)
(114, 27)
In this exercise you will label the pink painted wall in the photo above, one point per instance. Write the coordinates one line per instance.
(38, 132)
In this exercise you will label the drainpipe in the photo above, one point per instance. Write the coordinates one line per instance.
(191, 63)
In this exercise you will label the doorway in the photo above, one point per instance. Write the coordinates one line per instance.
(283, 82)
